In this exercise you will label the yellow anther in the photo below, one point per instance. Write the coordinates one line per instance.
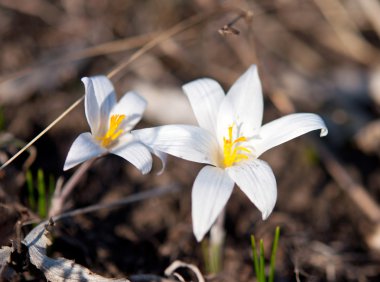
(232, 153)
(113, 131)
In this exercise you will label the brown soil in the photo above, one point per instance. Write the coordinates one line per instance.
(326, 233)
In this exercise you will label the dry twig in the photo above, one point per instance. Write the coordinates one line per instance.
(150, 45)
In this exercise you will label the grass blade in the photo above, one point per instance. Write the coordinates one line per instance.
(262, 262)
(41, 193)
(255, 259)
(273, 255)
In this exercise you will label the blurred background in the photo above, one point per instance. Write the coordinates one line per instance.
(320, 56)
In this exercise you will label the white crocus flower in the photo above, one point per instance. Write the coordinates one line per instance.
(110, 124)
(230, 139)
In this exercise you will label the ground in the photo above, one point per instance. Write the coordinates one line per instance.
(312, 56)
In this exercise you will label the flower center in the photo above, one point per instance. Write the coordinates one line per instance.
(232, 152)
(113, 131)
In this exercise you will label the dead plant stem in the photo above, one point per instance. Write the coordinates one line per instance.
(59, 200)
(150, 45)
(217, 236)
(58, 119)
(160, 191)
(127, 200)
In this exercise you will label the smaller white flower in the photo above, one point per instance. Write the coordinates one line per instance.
(110, 124)
(230, 138)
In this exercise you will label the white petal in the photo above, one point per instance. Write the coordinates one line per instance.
(211, 190)
(162, 156)
(256, 180)
(100, 98)
(184, 141)
(83, 149)
(132, 105)
(243, 105)
(205, 96)
(133, 151)
(286, 128)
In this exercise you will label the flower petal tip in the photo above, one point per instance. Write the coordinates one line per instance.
(252, 68)
(147, 169)
(161, 171)
(144, 172)
(200, 85)
(86, 82)
(265, 215)
(324, 132)
(199, 236)
(66, 167)
(85, 79)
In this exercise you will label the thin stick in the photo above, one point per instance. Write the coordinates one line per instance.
(59, 200)
(101, 49)
(18, 236)
(124, 201)
(354, 189)
(352, 43)
(372, 10)
(128, 200)
(58, 119)
(164, 36)
(228, 28)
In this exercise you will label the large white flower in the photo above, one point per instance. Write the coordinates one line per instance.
(110, 124)
(230, 139)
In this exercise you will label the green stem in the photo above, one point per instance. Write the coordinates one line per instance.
(273, 255)
(255, 259)
(41, 194)
(262, 262)
(217, 236)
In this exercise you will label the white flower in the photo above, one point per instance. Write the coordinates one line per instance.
(230, 139)
(110, 123)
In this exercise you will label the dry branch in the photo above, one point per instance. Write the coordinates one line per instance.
(5, 259)
(56, 269)
(62, 269)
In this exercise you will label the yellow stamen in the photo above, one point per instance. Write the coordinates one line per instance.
(232, 153)
(113, 131)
